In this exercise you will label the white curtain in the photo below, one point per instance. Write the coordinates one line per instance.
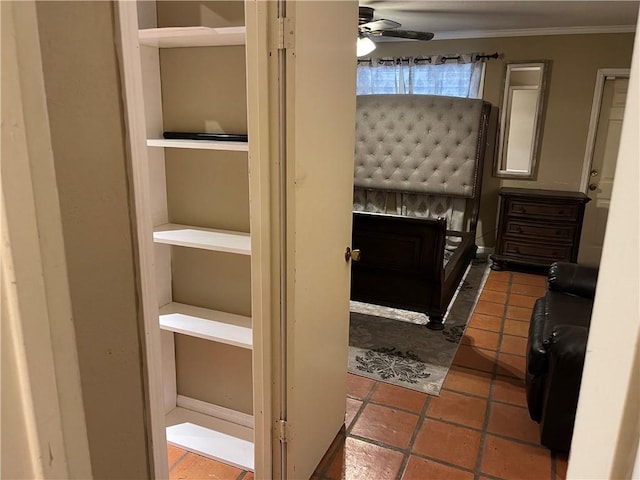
(453, 76)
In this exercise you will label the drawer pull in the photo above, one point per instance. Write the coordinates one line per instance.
(520, 210)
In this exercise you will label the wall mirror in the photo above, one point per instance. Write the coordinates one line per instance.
(522, 117)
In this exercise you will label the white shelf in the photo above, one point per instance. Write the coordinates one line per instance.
(173, 37)
(208, 324)
(199, 144)
(205, 238)
(211, 437)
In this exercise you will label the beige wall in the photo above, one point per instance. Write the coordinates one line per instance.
(575, 60)
(82, 85)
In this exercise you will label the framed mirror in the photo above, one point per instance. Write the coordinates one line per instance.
(522, 117)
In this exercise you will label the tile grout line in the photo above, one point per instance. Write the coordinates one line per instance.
(400, 409)
(365, 401)
(408, 451)
(347, 430)
(553, 455)
(422, 416)
(171, 467)
(332, 453)
(480, 430)
(415, 454)
(441, 462)
(483, 435)
(480, 397)
(491, 393)
(397, 449)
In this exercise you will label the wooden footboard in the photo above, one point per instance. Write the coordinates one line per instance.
(402, 261)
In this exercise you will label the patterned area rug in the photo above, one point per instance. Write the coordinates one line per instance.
(394, 346)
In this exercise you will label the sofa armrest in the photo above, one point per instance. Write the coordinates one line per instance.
(567, 348)
(573, 278)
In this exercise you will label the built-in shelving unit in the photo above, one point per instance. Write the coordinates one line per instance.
(199, 144)
(179, 37)
(222, 431)
(203, 238)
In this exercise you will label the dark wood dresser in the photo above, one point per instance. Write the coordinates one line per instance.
(538, 227)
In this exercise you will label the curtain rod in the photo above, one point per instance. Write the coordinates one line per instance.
(475, 57)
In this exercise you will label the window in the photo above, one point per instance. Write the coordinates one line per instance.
(429, 75)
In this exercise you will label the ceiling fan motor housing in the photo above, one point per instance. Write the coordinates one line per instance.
(383, 27)
(365, 15)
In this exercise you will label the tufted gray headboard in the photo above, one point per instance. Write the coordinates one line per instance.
(419, 143)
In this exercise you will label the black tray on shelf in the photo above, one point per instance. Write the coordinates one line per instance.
(220, 137)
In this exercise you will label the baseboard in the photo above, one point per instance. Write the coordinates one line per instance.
(484, 252)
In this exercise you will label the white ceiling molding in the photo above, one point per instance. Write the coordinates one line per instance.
(529, 32)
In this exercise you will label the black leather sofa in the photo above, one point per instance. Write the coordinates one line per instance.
(555, 351)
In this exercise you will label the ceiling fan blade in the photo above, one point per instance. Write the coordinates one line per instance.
(408, 34)
(381, 24)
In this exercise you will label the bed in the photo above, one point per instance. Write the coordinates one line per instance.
(417, 178)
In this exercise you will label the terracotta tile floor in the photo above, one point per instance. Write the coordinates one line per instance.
(478, 428)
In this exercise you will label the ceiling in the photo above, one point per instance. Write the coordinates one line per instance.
(477, 19)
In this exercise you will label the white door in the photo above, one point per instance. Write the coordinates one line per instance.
(603, 166)
(321, 72)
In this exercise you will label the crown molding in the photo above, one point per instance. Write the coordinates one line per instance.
(529, 32)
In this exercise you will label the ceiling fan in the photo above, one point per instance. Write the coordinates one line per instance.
(368, 27)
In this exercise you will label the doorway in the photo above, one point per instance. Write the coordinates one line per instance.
(600, 159)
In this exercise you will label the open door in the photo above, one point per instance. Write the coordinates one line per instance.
(320, 126)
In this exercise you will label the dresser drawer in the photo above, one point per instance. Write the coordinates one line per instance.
(540, 251)
(562, 232)
(546, 211)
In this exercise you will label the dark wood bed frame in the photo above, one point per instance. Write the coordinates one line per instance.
(402, 258)
(401, 263)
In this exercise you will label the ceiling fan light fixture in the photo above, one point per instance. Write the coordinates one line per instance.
(364, 46)
(382, 27)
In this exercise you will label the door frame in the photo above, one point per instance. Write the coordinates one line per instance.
(605, 438)
(137, 163)
(44, 399)
(601, 76)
